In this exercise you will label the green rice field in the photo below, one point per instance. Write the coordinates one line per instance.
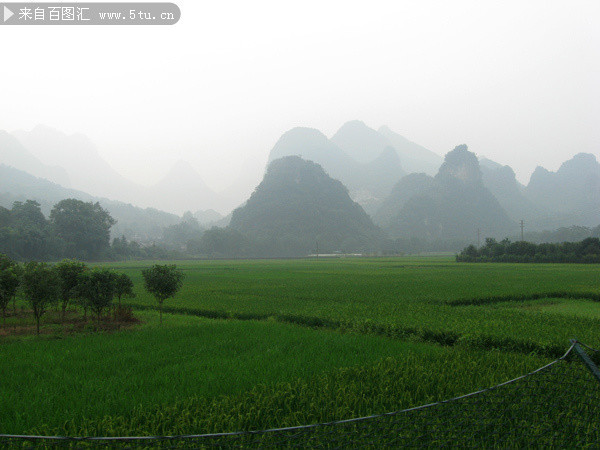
(258, 344)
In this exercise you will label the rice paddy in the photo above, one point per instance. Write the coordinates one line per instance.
(259, 344)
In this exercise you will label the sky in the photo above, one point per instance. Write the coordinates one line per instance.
(517, 81)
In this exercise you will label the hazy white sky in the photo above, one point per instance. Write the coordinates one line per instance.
(518, 81)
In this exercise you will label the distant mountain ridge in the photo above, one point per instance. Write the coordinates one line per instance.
(79, 157)
(573, 191)
(365, 160)
(133, 222)
(414, 157)
(382, 171)
(297, 207)
(502, 182)
(452, 205)
(182, 189)
(13, 153)
(82, 168)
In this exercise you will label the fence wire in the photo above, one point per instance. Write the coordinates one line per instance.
(557, 405)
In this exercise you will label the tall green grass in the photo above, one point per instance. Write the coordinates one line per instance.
(195, 375)
(434, 300)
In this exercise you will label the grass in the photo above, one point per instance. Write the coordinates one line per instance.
(319, 340)
(401, 296)
(213, 366)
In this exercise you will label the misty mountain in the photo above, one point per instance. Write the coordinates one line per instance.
(243, 184)
(408, 187)
(372, 182)
(75, 160)
(207, 217)
(79, 157)
(503, 184)
(368, 183)
(12, 153)
(572, 193)
(182, 189)
(312, 145)
(455, 205)
(485, 163)
(359, 141)
(414, 157)
(133, 222)
(364, 144)
(297, 206)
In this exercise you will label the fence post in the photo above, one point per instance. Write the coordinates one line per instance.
(586, 359)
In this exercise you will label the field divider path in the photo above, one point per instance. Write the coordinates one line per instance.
(439, 337)
(593, 296)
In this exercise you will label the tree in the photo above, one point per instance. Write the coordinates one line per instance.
(80, 292)
(123, 287)
(68, 272)
(28, 215)
(85, 225)
(9, 282)
(163, 282)
(41, 286)
(98, 289)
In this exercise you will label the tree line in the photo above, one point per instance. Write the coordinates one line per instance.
(585, 251)
(71, 283)
(74, 229)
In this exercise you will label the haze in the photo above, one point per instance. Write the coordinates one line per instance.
(516, 81)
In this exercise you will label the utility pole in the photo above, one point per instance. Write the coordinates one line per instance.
(317, 249)
(478, 240)
(522, 226)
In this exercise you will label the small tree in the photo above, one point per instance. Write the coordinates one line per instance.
(80, 292)
(41, 286)
(163, 282)
(123, 287)
(9, 282)
(69, 272)
(98, 289)
(10, 272)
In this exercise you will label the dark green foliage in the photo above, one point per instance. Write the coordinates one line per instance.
(123, 249)
(298, 208)
(5, 217)
(28, 215)
(9, 282)
(586, 251)
(179, 234)
(84, 226)
(25, 233)
(41, 287)
(97, 288)
(69, 272)
(76, 229)
(163, 282)
(123, 287)
(220, 243)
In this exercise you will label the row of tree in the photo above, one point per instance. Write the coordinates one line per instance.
(585, 251)
(74, 229)
(72, 283)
